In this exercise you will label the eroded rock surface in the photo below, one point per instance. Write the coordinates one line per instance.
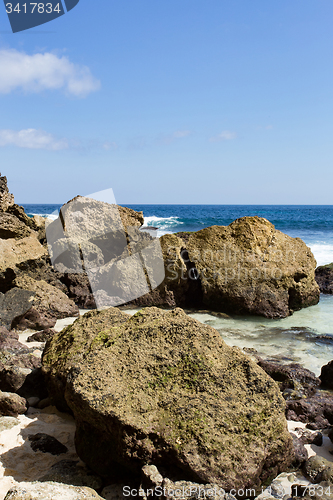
(250, 267)
(326, 375)
(50, 491)
(50, 304)
(247, 267)
(162, 388)
(324, 278)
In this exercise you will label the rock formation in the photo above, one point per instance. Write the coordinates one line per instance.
(162, 388)
(247, 267)
(50, 491)
(324, 278)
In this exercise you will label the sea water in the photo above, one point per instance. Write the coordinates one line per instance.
(305, 337)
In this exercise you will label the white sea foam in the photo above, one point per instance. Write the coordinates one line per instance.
(52, 216)
(323, 252)
(165, 224)
(162, 221)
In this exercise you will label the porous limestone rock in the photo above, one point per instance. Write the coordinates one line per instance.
(11, 404)
(50, 491)
(11, 227)
(13, 305)
(6, 199)
(326, 375)
(160, 387)
(50, 304)
(249, 267)
(324, 278)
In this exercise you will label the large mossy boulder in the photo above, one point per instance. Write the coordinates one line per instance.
(159, 387)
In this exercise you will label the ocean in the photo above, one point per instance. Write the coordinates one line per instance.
(306, 337)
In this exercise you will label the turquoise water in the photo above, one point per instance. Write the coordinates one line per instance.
(306, 337)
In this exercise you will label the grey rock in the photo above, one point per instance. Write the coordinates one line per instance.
(326, 375)
(50, 491)
(71, 472)
(300, 451)
(7, 423)
(318, 469)
(46, 444)
(13, 305)
(308, 437)
(324, 278)
(41, 336)
(33, 401)
(50, 304)
(12, 405)
(151, 476)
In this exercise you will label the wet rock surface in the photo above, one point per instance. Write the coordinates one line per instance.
(50, 491)
(316, 411)
(324, 278)
(301, 454)
(326, 375)
(295, 382)
(17, 363)
(318, 469)
(41, 336)
(308, 437)
(173, 393)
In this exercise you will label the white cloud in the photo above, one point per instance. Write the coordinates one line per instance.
(110, 145)
(32, 139)
(226, 135)
(179, 134)
(38, 72)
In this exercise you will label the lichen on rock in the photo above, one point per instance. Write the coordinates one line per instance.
(162, 388)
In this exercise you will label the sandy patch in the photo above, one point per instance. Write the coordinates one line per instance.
(18, 462)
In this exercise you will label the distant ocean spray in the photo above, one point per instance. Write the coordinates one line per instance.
(312, 223)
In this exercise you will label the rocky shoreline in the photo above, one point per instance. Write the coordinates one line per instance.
(114, 403)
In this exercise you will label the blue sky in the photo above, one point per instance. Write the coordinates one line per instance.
(187, 101)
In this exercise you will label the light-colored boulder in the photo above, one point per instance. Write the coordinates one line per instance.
(50, 491)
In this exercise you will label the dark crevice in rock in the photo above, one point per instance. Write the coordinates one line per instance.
(7, 280)
(194, 294)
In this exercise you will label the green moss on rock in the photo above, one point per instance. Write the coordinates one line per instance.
(162, 388)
